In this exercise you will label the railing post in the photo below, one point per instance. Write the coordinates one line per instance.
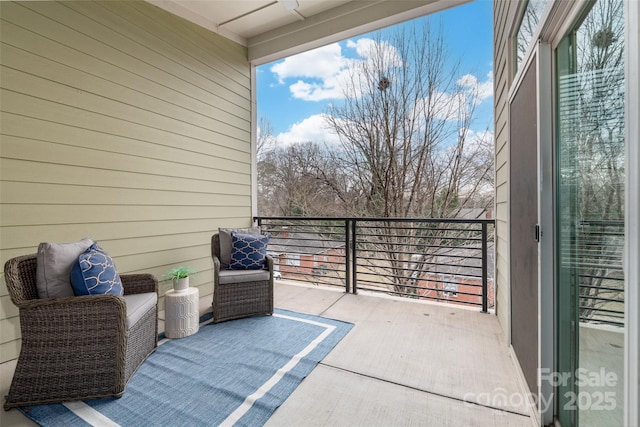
(354, 257)
(347, 257)
(485, 296)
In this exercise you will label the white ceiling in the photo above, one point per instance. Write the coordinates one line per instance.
(273, 29)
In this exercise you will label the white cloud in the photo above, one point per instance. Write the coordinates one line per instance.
(442, 106)
(322, 70)
(480, 90)
(362, 46)
(480, 140)
(322, 63)
(313, 128)
(328, 89)
(267, 140)
(323, 73)
(468, 80)
(368, 49)
(485, 89)
(452, 106)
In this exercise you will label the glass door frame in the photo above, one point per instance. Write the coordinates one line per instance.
(559, 22)
(632, 214)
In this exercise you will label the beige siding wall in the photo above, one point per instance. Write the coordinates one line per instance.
(503, 11)
(123, 123)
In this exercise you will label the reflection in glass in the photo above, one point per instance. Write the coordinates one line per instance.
(527, 27)
(590, 175)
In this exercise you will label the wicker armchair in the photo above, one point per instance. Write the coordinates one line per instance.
(76, 348)
(241, 293)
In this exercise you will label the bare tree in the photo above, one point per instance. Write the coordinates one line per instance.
(265, 146)
(528, 25)
(597, 131)
(290, 183)
(265, 140)
(406, 151)
(404, 127)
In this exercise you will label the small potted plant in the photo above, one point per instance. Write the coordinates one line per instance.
(180, 277)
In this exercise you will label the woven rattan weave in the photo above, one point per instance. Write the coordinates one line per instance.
(75, 348)
(242, 299)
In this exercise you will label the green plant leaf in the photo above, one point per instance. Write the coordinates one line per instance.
(180, 272)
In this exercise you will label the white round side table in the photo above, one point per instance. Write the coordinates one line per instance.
(181, 313)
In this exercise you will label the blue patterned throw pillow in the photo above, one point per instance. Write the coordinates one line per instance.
(248, 251)
(95, 274)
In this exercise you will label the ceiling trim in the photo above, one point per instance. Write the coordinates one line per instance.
(176, 8)
(345, 21)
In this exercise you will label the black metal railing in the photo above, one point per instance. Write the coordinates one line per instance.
(447, 260)
(597, 248)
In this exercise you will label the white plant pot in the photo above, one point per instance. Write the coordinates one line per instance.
(180, 285)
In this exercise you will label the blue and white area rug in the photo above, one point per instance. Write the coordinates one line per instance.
(231, 373)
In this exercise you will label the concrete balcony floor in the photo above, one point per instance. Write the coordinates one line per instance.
(405, 363)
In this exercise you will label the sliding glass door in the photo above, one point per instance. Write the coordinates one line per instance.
(590, 150)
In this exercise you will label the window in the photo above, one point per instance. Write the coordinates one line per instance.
(293, 259)
(450, 288)
(590, 179)
(527, 28)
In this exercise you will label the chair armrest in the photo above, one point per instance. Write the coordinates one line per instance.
(62, 316)
(216, 264)
(269, 263)
(71, 303)
(139, 283)
(216, 271)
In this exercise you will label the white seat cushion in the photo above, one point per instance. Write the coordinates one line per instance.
(228, 277)
(138, 305)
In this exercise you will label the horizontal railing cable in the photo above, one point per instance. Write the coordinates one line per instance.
(447, 260)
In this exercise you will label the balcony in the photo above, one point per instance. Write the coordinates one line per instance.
(406, 362)
(411, 359)
(426, 348)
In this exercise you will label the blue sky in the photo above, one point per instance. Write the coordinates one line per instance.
(292, 93)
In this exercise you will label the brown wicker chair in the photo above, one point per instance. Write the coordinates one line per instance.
(238, 294)
(76, 348)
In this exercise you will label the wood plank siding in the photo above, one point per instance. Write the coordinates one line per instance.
(503, 12)
(124, 123)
